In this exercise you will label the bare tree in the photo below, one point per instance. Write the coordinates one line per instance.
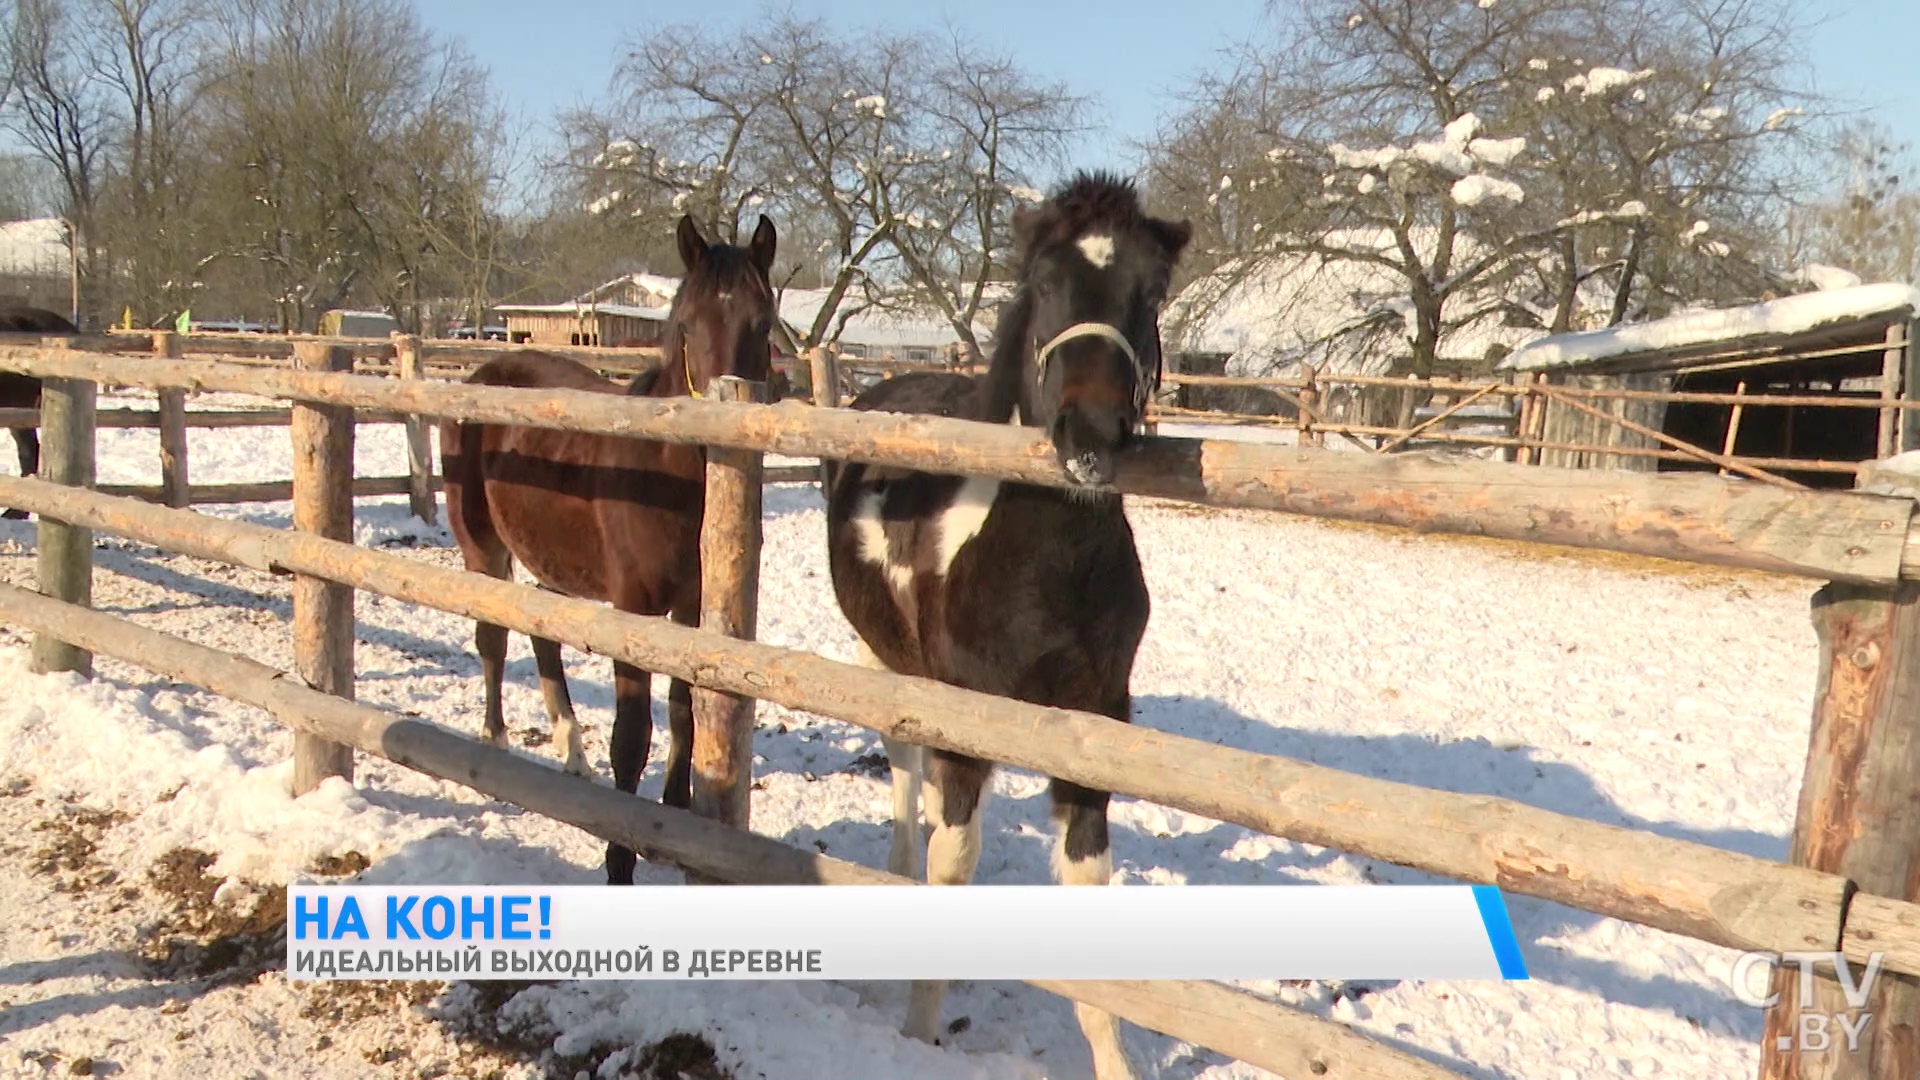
(148, 52)
(1477, 155)
(1869, 222)
(58, 109)
(327, 117)
(986, 131)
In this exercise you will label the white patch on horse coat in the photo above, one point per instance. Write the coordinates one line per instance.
(963, 518)
(1098, 248)
(872, 537)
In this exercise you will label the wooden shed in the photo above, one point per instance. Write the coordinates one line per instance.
(1850, 342)
(584, 324)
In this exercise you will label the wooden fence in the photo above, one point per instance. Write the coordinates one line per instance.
(1524, 405)
(1856, 849)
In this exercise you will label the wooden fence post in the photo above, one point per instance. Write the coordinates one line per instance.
(826, 377)
(322, 611)
(1859, 817)
(174, 489)
(1309, 403)
(729, 604)
(1892, 365)
(826, 390)
(420, 498)
(67, 412)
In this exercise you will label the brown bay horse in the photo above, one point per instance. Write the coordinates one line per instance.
(610, 518)
(1029, 592)
(18, 391)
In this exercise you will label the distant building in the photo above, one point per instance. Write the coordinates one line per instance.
(1844, 340)
(341, 322)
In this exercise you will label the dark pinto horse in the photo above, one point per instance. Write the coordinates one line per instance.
(605, 517)
(1020, 590)
(19, 391)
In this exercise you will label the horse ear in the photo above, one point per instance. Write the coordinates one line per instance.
(693, 246)
(765, 239)
(1173, 235)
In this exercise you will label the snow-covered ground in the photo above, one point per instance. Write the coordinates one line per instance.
(1668, 699)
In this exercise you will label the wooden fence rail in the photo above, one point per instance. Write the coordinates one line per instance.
(1248, 1028)
(1693, 889)
(1866, 539)
(1702, 518)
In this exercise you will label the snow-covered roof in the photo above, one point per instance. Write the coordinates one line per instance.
(1345, 316)
(34, 247)
(1790, 315)
(874, 327)
(582, 310)
(651, 284)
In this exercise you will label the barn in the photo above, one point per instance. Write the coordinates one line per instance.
(1851, 342)
(583, 323)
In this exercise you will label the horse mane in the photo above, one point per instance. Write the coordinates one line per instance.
(724, 267)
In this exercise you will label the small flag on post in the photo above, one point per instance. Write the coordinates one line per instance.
(184, 324)
(126, 318)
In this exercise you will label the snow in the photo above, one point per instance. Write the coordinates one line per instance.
(1789, 315)
(1601, 81)
(1270, 633)
(1828, 278)
(891, 328)
(1778, 118)
(1275, 313)
(1497, 152)
(1476, 189)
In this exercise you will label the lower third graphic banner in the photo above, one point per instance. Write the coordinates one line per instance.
(1014, 932)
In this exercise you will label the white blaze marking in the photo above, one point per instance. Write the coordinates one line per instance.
(963, 519)
(1098, 248)
(872, 536)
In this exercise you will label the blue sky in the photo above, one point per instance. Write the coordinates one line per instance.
(1129, 54)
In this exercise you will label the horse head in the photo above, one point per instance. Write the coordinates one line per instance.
(1083, 353)
(723, 311)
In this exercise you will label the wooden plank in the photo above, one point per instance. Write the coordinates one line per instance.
(730, 533)
(1883, 926)
(419, 447)
(1708, 456)
(260, 491)
(1890, 389)
(1859, 813)
(322, 610)
(1909, 381)
(210, 418)
(1712, 520)
(1693, 889)
(1733, 428)
(65, 549)
(172, 417)
(1261, 1033)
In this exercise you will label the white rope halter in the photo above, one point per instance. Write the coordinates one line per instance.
(1099, 330)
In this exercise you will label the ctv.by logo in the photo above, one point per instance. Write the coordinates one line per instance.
(1815, 1031)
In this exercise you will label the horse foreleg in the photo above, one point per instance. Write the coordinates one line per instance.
(27, 442)
(678, 792)
(903, 761)
(1083, 857)
(553, 687)
(956, 790)
(490, 641)
(628, 747)
(679, 789)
